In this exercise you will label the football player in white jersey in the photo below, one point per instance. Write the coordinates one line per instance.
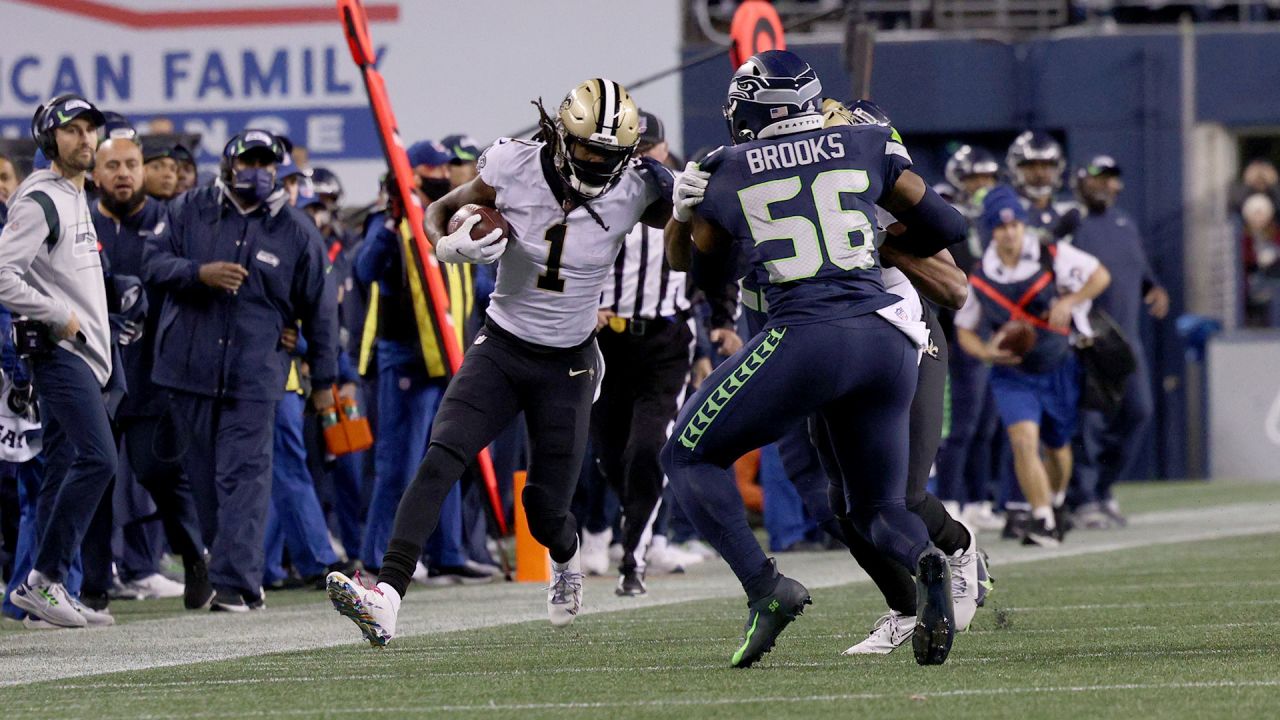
(570, 196)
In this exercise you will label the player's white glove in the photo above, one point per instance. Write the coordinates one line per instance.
(691, 185)
(458, 247)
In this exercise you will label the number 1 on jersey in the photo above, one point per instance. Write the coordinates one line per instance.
(551, 281)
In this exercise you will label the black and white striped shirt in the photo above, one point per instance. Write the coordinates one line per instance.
(642, 284)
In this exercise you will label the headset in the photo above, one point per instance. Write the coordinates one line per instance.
(43, 125)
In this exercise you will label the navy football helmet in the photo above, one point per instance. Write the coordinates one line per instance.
(772, 93)
(1035, 146)
(969, 161)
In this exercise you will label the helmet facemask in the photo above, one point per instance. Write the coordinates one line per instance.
(590, 166)
(592, 137)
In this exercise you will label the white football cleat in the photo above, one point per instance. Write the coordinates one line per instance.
(372, 609)
(564, 596)
(980, 516)
(595, 551)
(93, 618)
(964, 582)
(153, 587)
(891, 631)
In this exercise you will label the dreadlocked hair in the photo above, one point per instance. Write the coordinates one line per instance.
(546, 126)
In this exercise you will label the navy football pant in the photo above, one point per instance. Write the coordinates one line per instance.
(859, 374)
(80, 454)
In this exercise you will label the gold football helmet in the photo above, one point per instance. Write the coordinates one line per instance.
(594, 135)
(835, 113)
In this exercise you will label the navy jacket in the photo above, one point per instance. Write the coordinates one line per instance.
(1114, 239)
(123, 243)
(217, 344)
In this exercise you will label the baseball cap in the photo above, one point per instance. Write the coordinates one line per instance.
(1099, 165)
(257, 141)
(157, 148)
(63, 109)
(116, 126)
(430, 153)
(464, 148)
(1000, 206)
(651, 130)
(289, 168)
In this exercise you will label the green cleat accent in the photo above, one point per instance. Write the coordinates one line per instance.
(767, 618)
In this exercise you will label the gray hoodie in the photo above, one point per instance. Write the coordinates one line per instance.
(47, 278)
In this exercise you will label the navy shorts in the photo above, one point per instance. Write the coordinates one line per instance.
(1048, 399)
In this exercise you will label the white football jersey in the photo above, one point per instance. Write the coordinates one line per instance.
(551, 275)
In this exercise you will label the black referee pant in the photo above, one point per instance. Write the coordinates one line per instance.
(647, 368)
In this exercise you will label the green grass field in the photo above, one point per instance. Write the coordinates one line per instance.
(1183, 630)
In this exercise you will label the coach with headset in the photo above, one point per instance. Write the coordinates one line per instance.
(51, 273)
(239, 266)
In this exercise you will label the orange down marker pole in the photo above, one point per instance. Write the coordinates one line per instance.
(533, 562)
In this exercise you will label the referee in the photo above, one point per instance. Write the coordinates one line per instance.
(647, 339)
(51, 273)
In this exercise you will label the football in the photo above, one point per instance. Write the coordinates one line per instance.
(1019, 337)
(490, 220)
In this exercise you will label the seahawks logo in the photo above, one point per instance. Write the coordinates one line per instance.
(776, 91)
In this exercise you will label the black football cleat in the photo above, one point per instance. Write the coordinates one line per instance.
(631, 584)
(1015, 524)
(935, 615)
(768, 617)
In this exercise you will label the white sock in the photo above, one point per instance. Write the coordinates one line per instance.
(391, 595)
(35, 578)
(1059, 498)
(1045, 514)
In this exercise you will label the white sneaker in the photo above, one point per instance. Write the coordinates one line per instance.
(964, 582)
(699, 548)
(154, 586)
(93, 618)
(980, 517)
(684, 557)
(372, 609)
(595, 552)
(891, 630)
(47, 601)
(661, 559)
(421, 574)
(564, 596)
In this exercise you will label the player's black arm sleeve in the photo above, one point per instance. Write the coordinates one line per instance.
(931, 225)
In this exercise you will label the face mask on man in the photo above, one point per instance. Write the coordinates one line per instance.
(254, 184)
(434, 188)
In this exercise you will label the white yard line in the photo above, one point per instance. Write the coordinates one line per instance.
(203, 637)
(489, 708)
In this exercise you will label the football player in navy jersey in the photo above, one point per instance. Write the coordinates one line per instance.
(570, 197)
(794, 203)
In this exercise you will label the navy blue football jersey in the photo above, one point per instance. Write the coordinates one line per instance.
(802, 210)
